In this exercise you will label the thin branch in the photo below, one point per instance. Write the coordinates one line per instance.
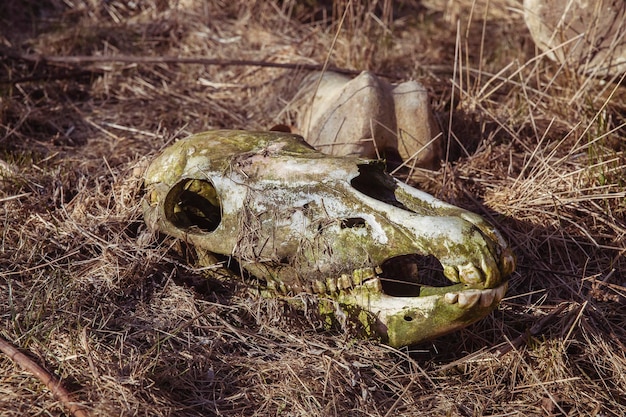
(532, 332)
(130, 59)
(53, 77)
(53, 384)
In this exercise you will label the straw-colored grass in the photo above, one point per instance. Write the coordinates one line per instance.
(130, 327)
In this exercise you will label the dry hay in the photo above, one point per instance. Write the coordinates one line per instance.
(132, 328)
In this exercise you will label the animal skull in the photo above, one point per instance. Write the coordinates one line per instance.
(339, 227)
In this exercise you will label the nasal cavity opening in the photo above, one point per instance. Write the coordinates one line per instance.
(193, 205)
(374, 182)
(405, 275)
(352, 222)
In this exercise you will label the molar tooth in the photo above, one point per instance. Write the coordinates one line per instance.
(468, 298)
(373, 285)
(486, 297)
(451, 297)
(360, 275)
(331, 285)
(319, 287)
(344, 282)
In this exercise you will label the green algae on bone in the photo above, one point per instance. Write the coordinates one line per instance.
(302, 222)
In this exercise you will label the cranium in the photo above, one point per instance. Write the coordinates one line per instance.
(339, 227)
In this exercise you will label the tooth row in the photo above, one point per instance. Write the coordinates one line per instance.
(325, 286)
(469, 298)
(344, 282)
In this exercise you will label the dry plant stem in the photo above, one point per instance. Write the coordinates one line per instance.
(57, 77)
(545, 159)
(45, 377)
(533, 331)
(129, 59)
(328, 54)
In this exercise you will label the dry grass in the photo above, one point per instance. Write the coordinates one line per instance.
(132, 328)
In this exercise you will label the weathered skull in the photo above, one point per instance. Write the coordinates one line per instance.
(339, 227)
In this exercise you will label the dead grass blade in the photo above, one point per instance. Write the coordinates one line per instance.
(128, 59)
(534, 146)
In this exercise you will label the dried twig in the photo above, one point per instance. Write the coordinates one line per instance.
(533, 331)
(129, 59)
(54, 385)
(53, 77)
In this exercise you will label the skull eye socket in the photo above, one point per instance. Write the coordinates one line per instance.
(193, 205)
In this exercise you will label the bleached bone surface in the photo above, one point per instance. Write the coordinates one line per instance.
(366, 116)
(302, 221)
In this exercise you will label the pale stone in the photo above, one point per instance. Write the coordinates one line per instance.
(369, 117)
(419, 138)
(587, 35)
